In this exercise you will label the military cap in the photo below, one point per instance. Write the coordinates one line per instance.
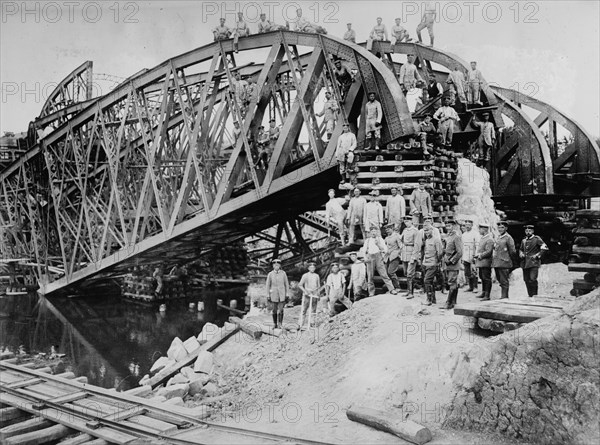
(335, 264)
(276, 261)
(529, 226)
(484, 224)
(345, 124)
(312, 263)
(428, 216)
(451, 221)
(502, 223)
(422, 181)
(407, 218)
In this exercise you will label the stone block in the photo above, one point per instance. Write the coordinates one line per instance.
(179, 390)
(191, 345)
(177, 379)
(210, 389)
(204, 362)
(175, 401)
(177, 350)
(161, 363)
(197, 385)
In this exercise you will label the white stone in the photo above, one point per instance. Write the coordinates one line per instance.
(204, 362)
(201, 411)
(188, 371)
(179, 390)
(209, 331)
(210, 389)
(140, 391)
(160, 364)
(228, 326)
(158, 399)
(177, 351)
(175, 401)
(191, 345)
(177, 379)
(197, 384)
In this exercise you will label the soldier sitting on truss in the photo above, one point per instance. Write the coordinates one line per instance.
(241, 30)
(265, 25)
(487, 137)
(379, 31)
(222, 32)
(303, 25)
(399, 33)
(344, 152)
(427, 133)
(374, 115)
(344, 77)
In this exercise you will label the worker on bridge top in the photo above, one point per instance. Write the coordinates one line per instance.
(344, 77)
(374, 115)
(530, 252)
(427, 21)
(435, 90)
(474, 83)
(399, 33)
(350, 34)
(241, 30)
(221, 32)
(379, 31)
(303, 25)
(265, 25)
(409, 76)
(456, 81)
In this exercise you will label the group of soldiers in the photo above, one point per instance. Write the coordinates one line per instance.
(442, 257)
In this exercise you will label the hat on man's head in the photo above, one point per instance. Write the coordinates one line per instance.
(345, 124)
(451, 221)
(272, 120)
(422, 181)
(468, 219)
(408, 218)
(334, 264)
(502, 223)
(529, 226)
(374, 192)
(276, 261)
(312, 263)
(428, 216)
(484, 224)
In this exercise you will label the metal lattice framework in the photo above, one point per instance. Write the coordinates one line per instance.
(151, 172)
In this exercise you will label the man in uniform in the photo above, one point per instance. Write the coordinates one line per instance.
(373, 215)
(399, 33)
(456, 80)
(241, 30)
(475, 80)
(427, 133)
(273, 134)
(356, 211)
(303, 25)
(344, 78)
(221, 32)
(344, 151)
(446, 117)
(379, 31)
(420, 203)
(409, 76)
(309, 284)
(483, 260)
(530, 253)
(431, 255)
(336, 289)
(330, 110)
(453, 252)
(374, 249)
(265, 25)
(395, 208)
(277, 291)
(335, 211)
(487, 137)
(374, 115)
(392, 256)
(408, 254)
(427, 22)
(470, 240)
(350, 34)
(358, 276)
(434, 89)
(239, 89)
(502, 261)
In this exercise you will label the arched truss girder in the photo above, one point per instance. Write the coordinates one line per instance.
(126, 184)
(525, 152)
(584, 151)
(74, 88)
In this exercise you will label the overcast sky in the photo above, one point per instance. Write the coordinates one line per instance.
(548, 49)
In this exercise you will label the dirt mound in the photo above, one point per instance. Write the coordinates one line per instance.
(540, 383)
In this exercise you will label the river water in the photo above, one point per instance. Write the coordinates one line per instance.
(110, 340)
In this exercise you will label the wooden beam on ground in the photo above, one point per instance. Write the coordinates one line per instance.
(403, 428)
(11, 415)
(77, 440)
(251, 329)
(210, 346)
(50, 434)
(37, 423)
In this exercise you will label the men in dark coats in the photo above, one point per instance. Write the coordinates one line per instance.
(452, 258)
(483, 260)
(530, 253)
(503, 259)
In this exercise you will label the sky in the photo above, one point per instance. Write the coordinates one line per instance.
(548, 49)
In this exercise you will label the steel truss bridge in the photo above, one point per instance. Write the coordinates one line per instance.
(151, 172)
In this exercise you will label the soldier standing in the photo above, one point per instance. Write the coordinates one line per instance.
(502, 261)
(453, 252)
(356, 211)
(374, 115)
(487, 138)
(446, 116)
(431, 254)
(427, 22)
(344, 151)
(350, 34)
(273, 134)
(456, 80)
(395, 208)
(344, 78)
(409, 76)
(335, 211)
(309, 284)
(336, 289)
(358, 276)
(483, 260)
(330, 110)
(475, 80)
(374, 249)
(373, 214)
(420, 203)
(392, 256)
(408, 254)
(277, 291)
(470, 240)
(530, 253)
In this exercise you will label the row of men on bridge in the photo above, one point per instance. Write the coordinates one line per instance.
(437, 254)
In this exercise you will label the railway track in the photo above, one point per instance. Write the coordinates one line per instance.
(45, 408)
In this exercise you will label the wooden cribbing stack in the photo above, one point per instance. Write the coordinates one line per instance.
(586, 252)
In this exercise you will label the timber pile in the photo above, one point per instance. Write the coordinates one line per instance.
(586, 252)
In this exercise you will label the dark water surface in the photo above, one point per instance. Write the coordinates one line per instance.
(110, 340)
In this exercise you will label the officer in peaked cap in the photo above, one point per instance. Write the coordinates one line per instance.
(530, 252)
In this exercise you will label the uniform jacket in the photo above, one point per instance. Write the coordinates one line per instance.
(356, 210)
(504, 252)
(373, 214)
(408, 238)
(532, 248)
(373, 111)
(395, 209)
(277, 286)
(432, 251)
(453, 251)
(485, 250)
(420, 201)
(394, 246)
(358, 276)
(470, 241)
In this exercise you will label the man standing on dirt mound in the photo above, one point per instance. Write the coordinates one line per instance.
(530, 253)
(277, 291)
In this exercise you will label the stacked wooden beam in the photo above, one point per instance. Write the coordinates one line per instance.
(586, 252)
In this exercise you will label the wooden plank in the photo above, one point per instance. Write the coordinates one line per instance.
(77, 440)
(584, 285)
(251, 329)
(166, 373)
(505, 313)
(532, 302)
(150, 425)
(55, 432)
(584, 267)
(394, 163)
(10, 413)
(415, 174)
(403, 428)
(592, 250)
(67, 398)
(24, 383)
(97, 442)
(589, 232)
(34, 424)
(587, 212)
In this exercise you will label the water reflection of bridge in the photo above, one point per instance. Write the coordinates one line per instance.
(112, 342)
